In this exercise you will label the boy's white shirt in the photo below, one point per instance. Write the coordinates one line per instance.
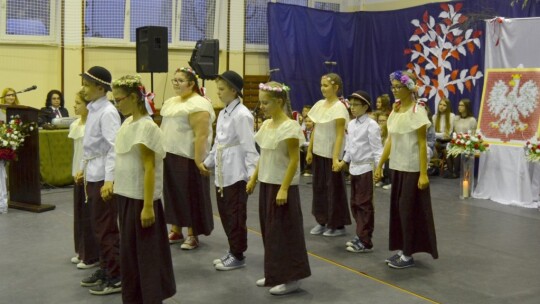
(235, 134)
(101, 128)
(363, 148)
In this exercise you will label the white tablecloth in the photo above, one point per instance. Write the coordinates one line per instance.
(505, 176)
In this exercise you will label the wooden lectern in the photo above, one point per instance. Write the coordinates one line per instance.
(23, 175)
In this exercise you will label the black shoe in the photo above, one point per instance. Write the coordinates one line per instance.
(400, 263)
(108, 287)
(94, 279)
(392, 258)
(447, 174)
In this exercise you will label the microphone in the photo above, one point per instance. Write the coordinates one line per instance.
(330, 63)
(28, 89)
(273, 70)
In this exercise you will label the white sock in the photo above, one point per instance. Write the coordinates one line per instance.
(405, 258)
(400, 253)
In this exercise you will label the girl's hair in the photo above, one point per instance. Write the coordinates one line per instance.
(334, 79)
(6, 92)
(277, 90)
(191, 77)
(132, 85)
(446, 115)
(48, 101)
(385, 103)
(80, 94)
(468, 109)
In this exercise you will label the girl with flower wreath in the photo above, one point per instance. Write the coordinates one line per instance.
(330, 116)
(280, 213)
(412, 228)
(187, 139)
(147, 272)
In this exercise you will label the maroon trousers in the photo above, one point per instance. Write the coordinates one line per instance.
(104, 221)
(85, 242)
(147, 271)
(329, 194)
(233, 214)
(362, 206)
(285, 254)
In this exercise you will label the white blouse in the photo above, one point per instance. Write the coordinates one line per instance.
(178, 137)
(274, 158)
(76, 132)
(129, 164)
(325, 127)
(402, 129)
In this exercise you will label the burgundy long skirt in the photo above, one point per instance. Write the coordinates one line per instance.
(285, 254)
(186, 194)
(412, 228)
(147, 271)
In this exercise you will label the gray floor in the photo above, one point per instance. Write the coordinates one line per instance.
(487, 255)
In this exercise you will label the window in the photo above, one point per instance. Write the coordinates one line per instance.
(197, 19)
(28, 20)
(256, 34)
(186, 20)
(154, 13)
(104, 18)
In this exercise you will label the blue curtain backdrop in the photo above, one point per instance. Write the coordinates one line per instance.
(367, 46)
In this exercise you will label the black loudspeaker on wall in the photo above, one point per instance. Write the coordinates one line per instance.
(152, 49)
(205, 58)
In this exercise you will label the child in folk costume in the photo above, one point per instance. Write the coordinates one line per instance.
(85, 241)
(412, 228)
(187, 138)
(330, 117)
(97, 173)
(280, 214)
(234, 157)
(147, 273)
(362, 151)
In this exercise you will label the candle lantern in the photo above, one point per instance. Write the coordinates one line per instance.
(467, 175)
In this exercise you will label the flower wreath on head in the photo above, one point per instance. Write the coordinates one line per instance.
(136, 81)
(329, 79)
(189, 70)
(267, 88)
(404, 79)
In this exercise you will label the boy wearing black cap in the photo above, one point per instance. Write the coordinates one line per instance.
(363, 150)
(97, 173)
(234, 157)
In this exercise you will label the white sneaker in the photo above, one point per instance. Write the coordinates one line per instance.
(378, 184)
(387, 187)
(318, 229)
(285, 288)
(334, 232)
(83, 265)
(261, 282)
(221, 259)
(75, 260)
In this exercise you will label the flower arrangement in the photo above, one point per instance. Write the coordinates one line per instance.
(532, 151)
(12, 136)
(467, 144)
(404, 79)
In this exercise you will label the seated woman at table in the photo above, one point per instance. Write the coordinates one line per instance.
(54, 108)
(464, 122)
(9, 97)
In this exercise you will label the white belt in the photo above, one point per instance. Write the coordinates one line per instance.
(85, 163)
(219, 163)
